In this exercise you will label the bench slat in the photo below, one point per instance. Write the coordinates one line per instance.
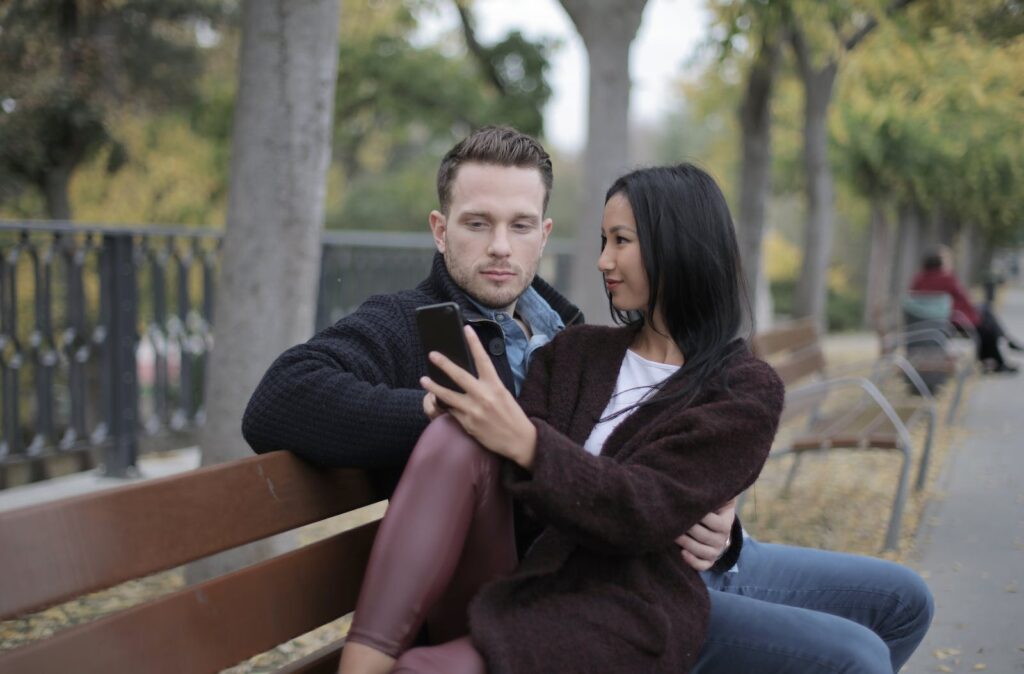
(124, 533)
(790, 336)
(807, 361)
(215, 624)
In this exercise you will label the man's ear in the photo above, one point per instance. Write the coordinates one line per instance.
(438, 227)
(545, 227)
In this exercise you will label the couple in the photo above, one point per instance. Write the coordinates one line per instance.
(626, 443)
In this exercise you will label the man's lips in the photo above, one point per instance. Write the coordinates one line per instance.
(498, 274)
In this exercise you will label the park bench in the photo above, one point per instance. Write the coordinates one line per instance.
(58, 551)
(869, 420)
(939, 343)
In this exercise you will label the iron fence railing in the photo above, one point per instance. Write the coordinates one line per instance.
(105, 331)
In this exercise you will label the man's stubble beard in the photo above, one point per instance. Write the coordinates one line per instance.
(471, 283)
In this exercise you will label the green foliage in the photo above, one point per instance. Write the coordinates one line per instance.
(66, 67)
(937, 123)
(401, 105)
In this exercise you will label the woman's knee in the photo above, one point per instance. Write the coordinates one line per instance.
(917, 603)
(444, 448)
(857, 650)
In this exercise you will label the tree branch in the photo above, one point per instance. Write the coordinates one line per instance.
(872, 23)
(477, 50)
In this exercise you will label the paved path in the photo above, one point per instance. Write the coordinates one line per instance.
(971, 547)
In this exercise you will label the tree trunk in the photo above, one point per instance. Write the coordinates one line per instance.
(607, 28)
(880, 263)
(812, 287)
(755, 174)
(265, 297)
(55, 191)
(909, 259)
(966, 251)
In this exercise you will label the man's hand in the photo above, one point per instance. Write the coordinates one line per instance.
(430, 406)
(706, 542)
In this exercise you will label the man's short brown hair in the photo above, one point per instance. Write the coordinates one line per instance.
(498, 146)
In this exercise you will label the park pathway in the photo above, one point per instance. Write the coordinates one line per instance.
(971, 545)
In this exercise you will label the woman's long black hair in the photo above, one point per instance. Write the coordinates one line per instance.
(692, 261)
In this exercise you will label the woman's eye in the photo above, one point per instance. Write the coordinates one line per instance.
(621, 240)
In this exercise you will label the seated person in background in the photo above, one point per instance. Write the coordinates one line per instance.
(936, 275)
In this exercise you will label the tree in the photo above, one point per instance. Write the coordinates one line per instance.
(607, 28)
(850, 26)
(401, 104)
(67, 65)
(764, 25)
(266, 290)
(925, 128)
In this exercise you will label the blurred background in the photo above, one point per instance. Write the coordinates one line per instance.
(849, 136)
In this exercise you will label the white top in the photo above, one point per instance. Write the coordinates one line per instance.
(638, 379)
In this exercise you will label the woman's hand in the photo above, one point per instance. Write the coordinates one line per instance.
(706, 542)
(486, 410)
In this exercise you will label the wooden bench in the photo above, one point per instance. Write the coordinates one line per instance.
(934, 347)
(871, 422)
(58, 551)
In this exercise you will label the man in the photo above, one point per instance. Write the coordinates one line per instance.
(350, 396)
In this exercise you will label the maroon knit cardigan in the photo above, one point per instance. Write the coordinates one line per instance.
(604, 588)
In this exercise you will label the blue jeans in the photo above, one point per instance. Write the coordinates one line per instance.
(790, 609)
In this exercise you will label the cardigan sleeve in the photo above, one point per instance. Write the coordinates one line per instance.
(337, 400)
(689, 463)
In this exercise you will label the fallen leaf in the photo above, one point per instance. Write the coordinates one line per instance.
(978, 667)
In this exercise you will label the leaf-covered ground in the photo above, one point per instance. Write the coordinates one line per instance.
(840, 500)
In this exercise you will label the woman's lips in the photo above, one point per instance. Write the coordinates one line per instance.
(612, 285)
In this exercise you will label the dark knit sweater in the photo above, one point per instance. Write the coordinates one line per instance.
(604, 588)
(350, 396)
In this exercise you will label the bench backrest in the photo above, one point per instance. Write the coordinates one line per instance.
(60, 550)
(794, 350)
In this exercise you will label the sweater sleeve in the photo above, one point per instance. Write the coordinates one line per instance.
(691, 462)
(336, 400)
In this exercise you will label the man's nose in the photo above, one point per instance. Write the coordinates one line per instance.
(499, 242)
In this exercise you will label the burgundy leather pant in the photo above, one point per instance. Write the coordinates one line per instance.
(447, 531)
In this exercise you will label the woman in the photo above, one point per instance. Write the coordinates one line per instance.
(625, 438)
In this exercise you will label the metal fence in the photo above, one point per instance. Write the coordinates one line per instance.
(105, 332)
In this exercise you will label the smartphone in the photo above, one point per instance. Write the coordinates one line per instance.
(440, 328)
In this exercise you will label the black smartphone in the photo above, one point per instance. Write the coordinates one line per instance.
(440, 328)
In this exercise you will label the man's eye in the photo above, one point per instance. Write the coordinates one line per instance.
(476, 224)
(522, 226)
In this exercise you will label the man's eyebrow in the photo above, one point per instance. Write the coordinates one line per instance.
(532, 217)
(486, 215)
(466, 215)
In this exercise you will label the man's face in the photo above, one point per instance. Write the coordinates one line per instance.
(494, 233)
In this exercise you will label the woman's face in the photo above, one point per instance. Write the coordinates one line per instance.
(620, 261)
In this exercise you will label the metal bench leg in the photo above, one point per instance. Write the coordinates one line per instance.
(892, 536)
(792, 473)
(926, 455)
(961, 377)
